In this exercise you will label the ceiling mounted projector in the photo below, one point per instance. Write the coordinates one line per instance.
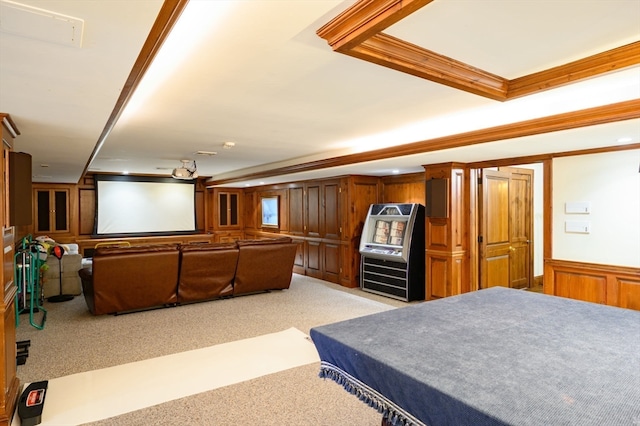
(186, 172)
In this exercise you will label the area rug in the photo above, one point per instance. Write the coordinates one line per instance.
(100, 394)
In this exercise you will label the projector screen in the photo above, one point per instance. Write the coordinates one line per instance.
(128, 205)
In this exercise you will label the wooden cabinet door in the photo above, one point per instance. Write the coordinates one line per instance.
(330, 219)
(313, 211)
(52, 210)
(331, 262)
(313, 262)
(296, 211)
(228, 209)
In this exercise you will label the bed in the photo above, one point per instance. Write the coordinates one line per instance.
(492, 357)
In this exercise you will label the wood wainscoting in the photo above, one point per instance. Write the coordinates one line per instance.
(605, 284)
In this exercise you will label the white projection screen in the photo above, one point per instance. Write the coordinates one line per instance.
(127, 205)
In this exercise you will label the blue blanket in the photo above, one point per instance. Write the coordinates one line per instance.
(492, 357)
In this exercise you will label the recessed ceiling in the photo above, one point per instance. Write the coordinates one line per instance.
(262, 77)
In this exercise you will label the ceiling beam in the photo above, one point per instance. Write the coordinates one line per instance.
(591, 66)
(166, 19)
(364, 19)
(358, 30)
(621, 111)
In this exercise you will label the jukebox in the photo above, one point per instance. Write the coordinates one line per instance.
(392, 251)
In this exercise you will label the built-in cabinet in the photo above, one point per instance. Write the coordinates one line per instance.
(8, 377)
(51, 210)
(324, 217)
(227, 207)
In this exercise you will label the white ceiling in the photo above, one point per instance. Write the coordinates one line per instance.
(260, 77)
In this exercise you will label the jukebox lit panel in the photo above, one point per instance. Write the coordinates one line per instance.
(387, 230)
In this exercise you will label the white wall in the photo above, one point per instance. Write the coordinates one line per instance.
(610, 183)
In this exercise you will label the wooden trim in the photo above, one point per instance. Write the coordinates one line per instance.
(547, 219)
(391, 52)
(364, 19)
(601, 63)
(358, 30)
(8, 124)
(571, 120)
(167, 17)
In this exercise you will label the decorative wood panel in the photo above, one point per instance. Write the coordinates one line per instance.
(250, 211)
(87, 210)
(437, 277)
(437, 234)
(606, 284)
(330, 221)
(313, 212)
(408, 188)
(628, 294)
(313, 262)
(296, 210)
(331, 262)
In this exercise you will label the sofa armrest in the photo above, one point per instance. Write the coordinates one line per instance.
(86, 278)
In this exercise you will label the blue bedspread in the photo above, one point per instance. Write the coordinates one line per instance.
(492, 357)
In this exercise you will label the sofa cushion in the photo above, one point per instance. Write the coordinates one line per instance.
(263, 267)
(133, 278)
(206, 271)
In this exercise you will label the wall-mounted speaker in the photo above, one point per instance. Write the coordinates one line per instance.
(20, 194)
(437, 198)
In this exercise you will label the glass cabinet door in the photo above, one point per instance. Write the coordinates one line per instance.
(52, 210)
(228, 209)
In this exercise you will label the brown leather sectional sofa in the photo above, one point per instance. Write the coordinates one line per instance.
(123, 279)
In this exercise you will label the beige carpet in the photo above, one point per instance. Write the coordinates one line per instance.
(108, 392)
(73, 341)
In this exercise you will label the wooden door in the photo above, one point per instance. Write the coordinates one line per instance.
(506, 228)
(494, 247)
(521, 227)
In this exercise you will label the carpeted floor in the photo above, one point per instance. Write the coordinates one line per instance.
(73, 341)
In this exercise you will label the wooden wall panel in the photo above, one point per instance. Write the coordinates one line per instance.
(408, 188)
(249, 210)
(437, 277)
(330, 221)
(437, 234)
(331, 262)
(606, 284)
(313, 213)
(590, 288)
(628, 294)
(296, 210)
(313, 262)
(87, 210)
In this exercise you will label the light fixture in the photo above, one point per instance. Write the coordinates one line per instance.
(186, 172)
(228, 145)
